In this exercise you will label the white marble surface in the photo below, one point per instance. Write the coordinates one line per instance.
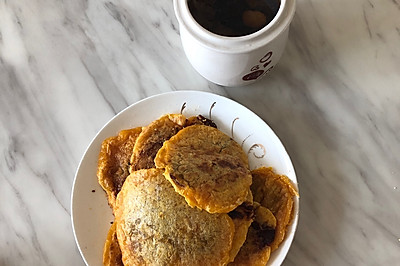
(67, 67)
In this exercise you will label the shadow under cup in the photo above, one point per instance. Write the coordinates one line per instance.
(234, 42)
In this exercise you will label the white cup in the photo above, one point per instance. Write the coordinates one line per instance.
(234, 61)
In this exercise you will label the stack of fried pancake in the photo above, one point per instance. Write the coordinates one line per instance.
(182, 193)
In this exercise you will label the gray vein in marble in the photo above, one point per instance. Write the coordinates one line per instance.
(31, 227)
(396, 4)
(47, 180)
(367, 23)
(10, 154)
(120, 15)
(108, 90)
(379, 224)
(171, 22)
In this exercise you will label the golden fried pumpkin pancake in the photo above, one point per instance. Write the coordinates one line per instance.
(276, 193)
(155, 226)
(112, 253)
(152, 138)
(242, 218)
(113, 164)
(207, 167)
(256, 250)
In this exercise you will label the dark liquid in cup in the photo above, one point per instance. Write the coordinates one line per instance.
(233, 17)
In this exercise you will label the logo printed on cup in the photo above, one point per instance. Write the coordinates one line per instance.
(256, 72)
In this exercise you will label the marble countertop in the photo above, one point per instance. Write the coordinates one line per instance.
(67, 67)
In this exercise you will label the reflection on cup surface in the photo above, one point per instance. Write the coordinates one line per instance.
(233, 18)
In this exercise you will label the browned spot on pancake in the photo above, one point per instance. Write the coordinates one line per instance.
(265, 234)
(254, 250)
(175, 180)
(200, 120)
(243, 211)
(145, 160)
(146, 153)
(205, 167)
(224, 163)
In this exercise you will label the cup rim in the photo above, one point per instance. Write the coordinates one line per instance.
(237, 44)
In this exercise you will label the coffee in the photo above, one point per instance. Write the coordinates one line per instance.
(233, 18)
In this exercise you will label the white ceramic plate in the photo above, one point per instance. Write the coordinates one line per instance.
(91, 215)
